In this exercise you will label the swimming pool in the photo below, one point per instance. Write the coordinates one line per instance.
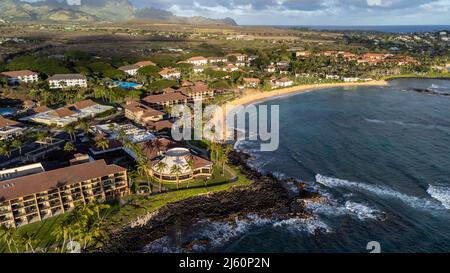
(127, 85)
(7, 111)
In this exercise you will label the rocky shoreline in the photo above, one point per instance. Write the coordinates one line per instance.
(267, 197)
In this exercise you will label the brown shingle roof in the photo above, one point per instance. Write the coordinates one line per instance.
(7, 122)
(63, 112)
(61, 77)
(129, 67)
(160, 125)
(145, 63)
(40, 182)
(84, 104)
(19, 73)
(165, 97)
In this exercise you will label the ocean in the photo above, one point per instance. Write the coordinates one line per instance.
(381, 156)
(387, 28)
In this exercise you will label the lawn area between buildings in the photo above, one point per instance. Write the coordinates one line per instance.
(118, 216)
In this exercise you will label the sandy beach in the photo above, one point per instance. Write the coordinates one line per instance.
(257, 95)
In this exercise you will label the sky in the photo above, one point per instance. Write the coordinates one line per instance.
(310, 12)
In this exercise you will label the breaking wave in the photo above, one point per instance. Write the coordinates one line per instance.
(440, 193)
(311, 226)
(382, 191)
(207, 235)
(443, 127)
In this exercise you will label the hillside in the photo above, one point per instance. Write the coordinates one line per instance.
(93, 10)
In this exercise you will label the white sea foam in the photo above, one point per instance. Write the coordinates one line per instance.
(363, 211)
(310, 226)
(382, 191)
(440, 193)
(375, 121)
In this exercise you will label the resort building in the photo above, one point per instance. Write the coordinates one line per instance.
(239, 56)
(190, 166)
(170, 73)
(60, 81)
(10, 129)
(142, 114)
(283, 82)
(200, 60)
(198, 92)
(198, 69)
(303, 54)
(21, 76)
(21, 171)
(214, 60)
(69, 114)
(38, 196)
(251, 82)
(131, 132)
(230, 68)
(130, 69)
(159, 102)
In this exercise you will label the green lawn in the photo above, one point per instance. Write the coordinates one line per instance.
(134, 207)
(217, 178)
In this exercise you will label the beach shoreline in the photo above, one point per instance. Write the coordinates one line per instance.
(257, 95)
(263, 95)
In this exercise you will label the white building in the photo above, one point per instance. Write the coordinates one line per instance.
(284, 82)
(169, 73)
(20, 76)
(69, 114)
(198, 69)
(67, 80)
(200, 60)
(10, 129)
(130, 69)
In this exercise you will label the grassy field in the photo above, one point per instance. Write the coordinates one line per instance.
(135, 206)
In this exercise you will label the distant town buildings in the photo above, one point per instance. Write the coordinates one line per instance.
(132, 70)
(170, 73)
(61, 81)
(21, 76)
(200, 60)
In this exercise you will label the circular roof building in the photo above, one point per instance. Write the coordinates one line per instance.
(189, 166)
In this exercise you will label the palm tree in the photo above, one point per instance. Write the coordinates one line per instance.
(5, 149)
(190, 164)
(69, 147)
(223, 159)
(176, 169)
(84, 126)
(70, 129)
(122, 136)
(101, 142)
(8, 233)
(42, 136)
(143, 169)
(28, 241)
(62, 233)
(17, 144)
(160, 167)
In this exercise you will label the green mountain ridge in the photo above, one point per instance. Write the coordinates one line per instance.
(92, 11)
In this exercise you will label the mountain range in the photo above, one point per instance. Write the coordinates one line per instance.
(94, 11)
